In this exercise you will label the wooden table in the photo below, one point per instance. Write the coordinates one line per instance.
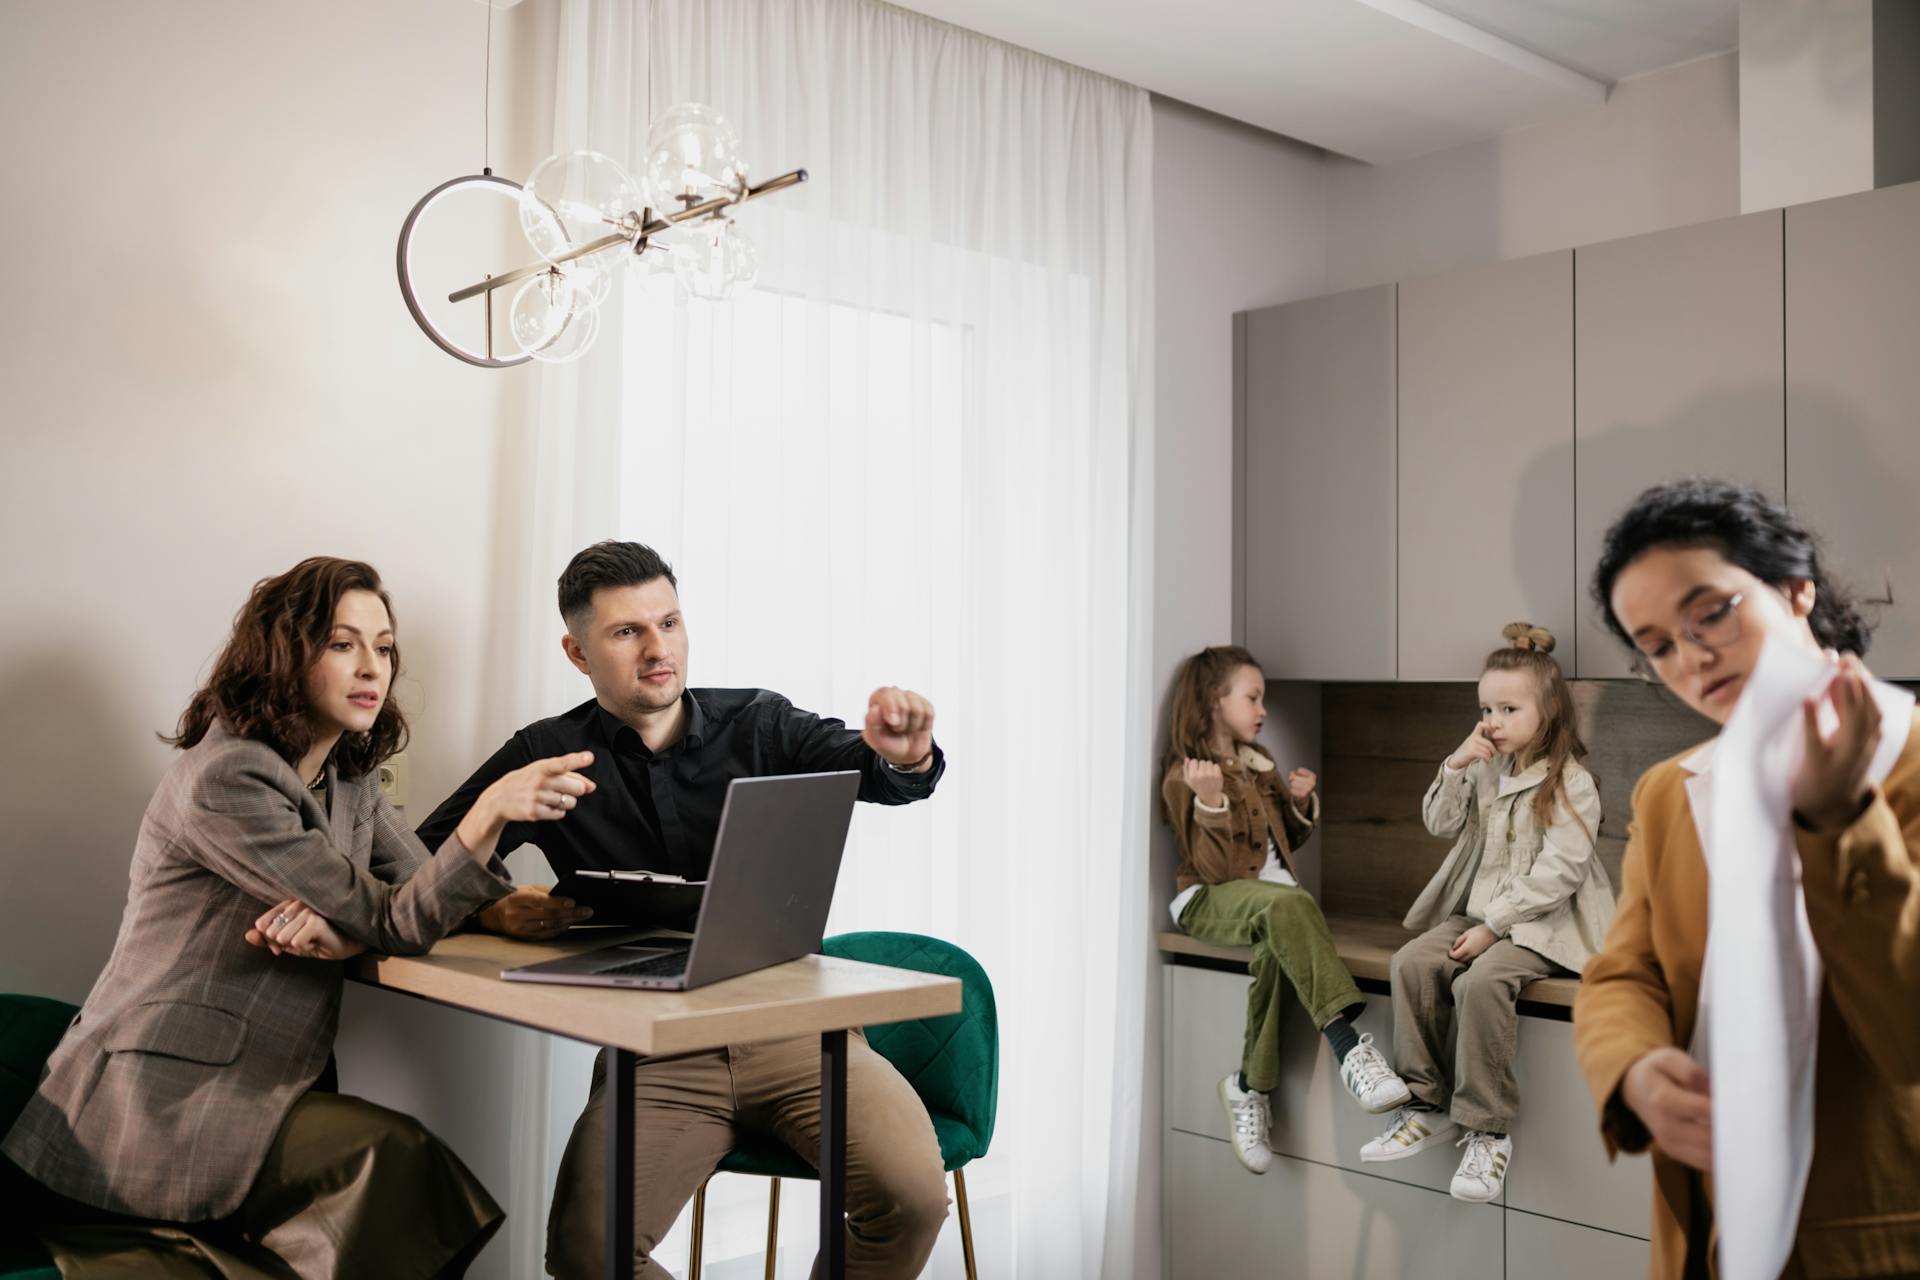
(820, 995)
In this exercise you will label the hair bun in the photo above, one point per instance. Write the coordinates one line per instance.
(1526, 636)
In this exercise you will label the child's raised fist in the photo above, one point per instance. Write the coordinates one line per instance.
(1207, 783)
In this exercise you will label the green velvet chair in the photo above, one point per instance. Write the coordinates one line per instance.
(953, 1063)
(30, 1027)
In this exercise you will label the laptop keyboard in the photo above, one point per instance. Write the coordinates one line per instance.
(669, 965)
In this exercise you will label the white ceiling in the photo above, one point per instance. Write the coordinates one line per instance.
(1379, 80)
(1608, 39)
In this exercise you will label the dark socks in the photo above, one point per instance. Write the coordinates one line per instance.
(1341, 1035)
(1243, 1082)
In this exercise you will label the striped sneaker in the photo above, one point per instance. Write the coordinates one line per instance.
(1413, 1128)
(1371, 1081)
(1483, 1170)
(1248, 1116)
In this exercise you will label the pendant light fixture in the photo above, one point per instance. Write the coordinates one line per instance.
(584, 215)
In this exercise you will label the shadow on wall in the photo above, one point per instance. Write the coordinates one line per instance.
(76, 771)
(1842, 53)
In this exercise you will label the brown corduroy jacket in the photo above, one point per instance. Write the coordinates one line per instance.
(1861, 1215)
(1233, 845)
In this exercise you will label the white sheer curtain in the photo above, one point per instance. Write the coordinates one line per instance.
(915, 456)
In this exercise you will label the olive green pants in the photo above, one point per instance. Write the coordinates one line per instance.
(1293, 956)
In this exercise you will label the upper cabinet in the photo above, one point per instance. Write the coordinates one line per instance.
(1486, 461)
(1678, 372)
(1315, 404)
(1853, 402)
(1424, 463)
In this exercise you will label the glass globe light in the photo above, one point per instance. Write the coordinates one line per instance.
(548, 320)
(693, 152)
(574, 198)
(591, 278)
(719, 264)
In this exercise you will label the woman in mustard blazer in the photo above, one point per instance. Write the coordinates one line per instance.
(1694, 577)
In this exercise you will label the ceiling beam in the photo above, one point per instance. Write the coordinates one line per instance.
(1431, 20)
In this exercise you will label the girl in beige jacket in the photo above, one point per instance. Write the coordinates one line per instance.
(1521, 896)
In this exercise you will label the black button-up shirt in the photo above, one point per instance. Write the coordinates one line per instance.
(660, 811)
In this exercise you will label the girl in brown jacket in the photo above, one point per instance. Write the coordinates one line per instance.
(1694, 577)
(1237, 824)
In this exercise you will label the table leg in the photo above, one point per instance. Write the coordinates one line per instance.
(833, 1155)
(619, 1164)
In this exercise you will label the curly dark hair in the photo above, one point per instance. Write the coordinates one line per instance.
(1746, 527)
(258, 686)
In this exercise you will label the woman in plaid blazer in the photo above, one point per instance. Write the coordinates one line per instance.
(184, 1125)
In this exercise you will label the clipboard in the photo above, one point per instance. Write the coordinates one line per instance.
(643, 899)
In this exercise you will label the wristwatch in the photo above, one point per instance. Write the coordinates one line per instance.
(913, 768)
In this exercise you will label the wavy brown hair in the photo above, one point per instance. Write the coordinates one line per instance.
(1196, 691)
(258, 688)
(1530, 649)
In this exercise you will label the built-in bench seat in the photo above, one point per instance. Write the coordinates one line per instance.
(1367, 946)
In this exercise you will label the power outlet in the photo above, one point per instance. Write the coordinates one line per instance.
(393, 780)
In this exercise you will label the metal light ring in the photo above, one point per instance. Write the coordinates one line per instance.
(403, 264)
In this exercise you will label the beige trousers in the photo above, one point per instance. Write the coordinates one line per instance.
(1432, 993)
(691, 1109)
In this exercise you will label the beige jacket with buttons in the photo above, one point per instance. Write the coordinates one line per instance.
(1553, 896)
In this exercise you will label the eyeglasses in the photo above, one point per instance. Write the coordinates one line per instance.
(1712, 623)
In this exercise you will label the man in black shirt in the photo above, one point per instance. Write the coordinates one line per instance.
(663, 755)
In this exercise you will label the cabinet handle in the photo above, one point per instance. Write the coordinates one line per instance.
(1887, 599)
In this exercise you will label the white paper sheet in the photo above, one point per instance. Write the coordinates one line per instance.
(1760, 987)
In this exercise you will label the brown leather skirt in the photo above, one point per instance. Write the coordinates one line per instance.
(348, 1189)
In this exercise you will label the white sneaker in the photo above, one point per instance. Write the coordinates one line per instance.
(1413, 1128)
(1483, 1170)
(1247, 1114)
(1371, 1081)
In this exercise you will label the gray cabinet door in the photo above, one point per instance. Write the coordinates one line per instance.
(1853, 401)
(1486, 461)
(1316, 392)
(1678, 371)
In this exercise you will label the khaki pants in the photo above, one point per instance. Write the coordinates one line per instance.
(1293, 956)
(348, 1189)
(691, 1109)
(1431, 992)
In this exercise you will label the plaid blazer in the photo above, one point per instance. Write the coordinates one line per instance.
(166, 1093)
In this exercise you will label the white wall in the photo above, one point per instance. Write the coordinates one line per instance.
(1663, 152)
(1806, 101)
(210, 375)
(1239, 222)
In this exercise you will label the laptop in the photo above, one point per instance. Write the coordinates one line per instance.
(775, 861)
